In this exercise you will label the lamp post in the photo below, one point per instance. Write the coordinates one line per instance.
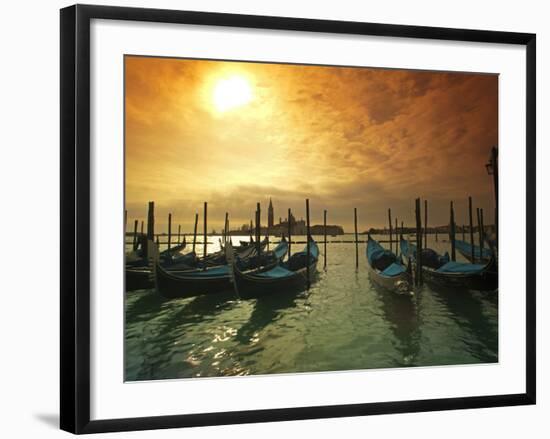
(492, 169)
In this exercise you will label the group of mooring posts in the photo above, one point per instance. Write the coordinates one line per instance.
(150, 235)
(257, 233)
(421, 234)
(395, 230)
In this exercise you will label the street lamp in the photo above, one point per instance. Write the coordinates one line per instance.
(492, 169)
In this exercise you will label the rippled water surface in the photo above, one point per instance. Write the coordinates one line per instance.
(343, 322)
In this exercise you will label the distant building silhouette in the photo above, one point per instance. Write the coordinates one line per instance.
(270, 216)
(297, 227)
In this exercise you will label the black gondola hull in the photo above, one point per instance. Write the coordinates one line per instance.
(141, 278)
(173, 286)
(138, 279)
(400, 284)
(485, 280)
(468, 257)
(250, 286)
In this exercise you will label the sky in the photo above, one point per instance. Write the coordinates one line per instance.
(237, 133)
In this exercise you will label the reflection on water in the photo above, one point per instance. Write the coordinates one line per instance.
(401, 314)
(343, 322)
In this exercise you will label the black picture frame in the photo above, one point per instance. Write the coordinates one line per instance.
(75, 217)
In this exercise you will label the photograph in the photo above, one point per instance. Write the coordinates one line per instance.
(293, 218)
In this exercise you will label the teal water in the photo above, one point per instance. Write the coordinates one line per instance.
(344, 322)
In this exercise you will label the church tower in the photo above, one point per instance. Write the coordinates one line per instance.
(270, 216)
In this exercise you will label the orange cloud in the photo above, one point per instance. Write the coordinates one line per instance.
(344, 137)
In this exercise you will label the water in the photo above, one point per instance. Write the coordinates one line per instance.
(344, 322)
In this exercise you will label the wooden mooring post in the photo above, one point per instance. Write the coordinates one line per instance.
(463, 232)
(496, 225)
(151, 221)
(391, 235)
(179, 233)
(258, 229)
(205, 231)
(169, 230)
(425, 223)
(308, 248)
(396, 237)
(142, 223)
(452, 233)
(289, 232)
(418, 214)
(226, 228)
(325, 240)
(267, 230)
(150, 226)
(480, 233)
(472, 255)
(482, 228)
(135, 242)
(356, 238)
(195, 232)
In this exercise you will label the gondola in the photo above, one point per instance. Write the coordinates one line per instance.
(387, 270)
(441, 271)
(219, 258)
(139, 276)
(246, 243)
(465, 249)
(168, 256)
(283, 277)
(181, 284)
(176, 249)
(137, 270)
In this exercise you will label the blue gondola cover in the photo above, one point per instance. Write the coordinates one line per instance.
(466, 247)
(394, 270)
(277, 272)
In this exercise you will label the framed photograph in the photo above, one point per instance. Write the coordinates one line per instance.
(268, 218)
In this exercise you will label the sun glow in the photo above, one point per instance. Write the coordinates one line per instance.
(231, 93)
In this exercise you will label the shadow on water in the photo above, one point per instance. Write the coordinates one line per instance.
(476, 311)
(151, 303)
(266, 310)
(269, 307)
(401, 312)
(203, 307)
(142, 302)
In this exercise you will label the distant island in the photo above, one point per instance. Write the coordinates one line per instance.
(431, 230)
(297, 227)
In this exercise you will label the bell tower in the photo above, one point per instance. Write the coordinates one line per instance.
(270, 216)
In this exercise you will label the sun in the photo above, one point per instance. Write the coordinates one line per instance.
(231, 92)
